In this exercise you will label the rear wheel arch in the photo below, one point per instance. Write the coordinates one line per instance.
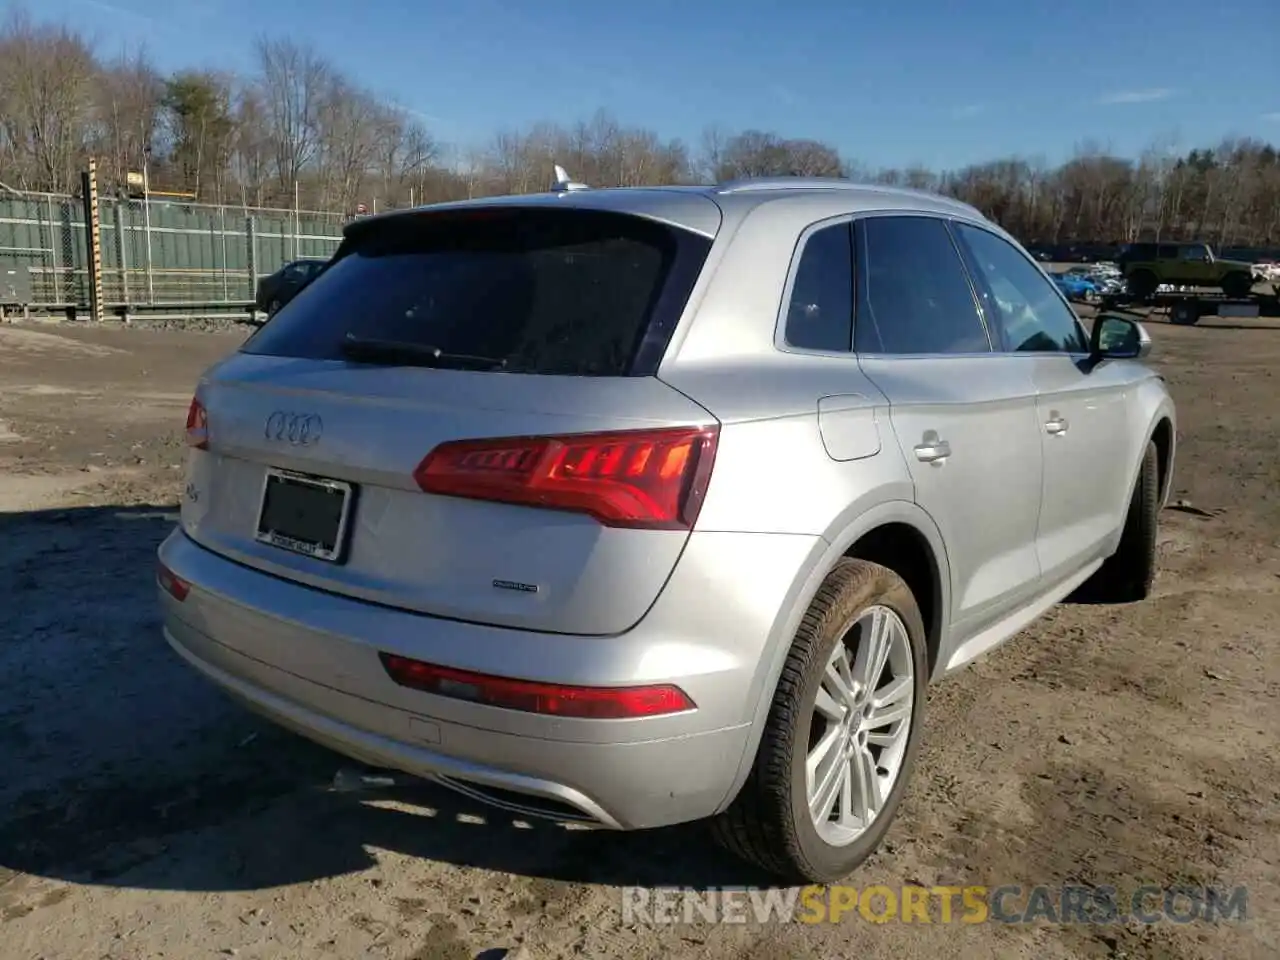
(902, 548)
(872, 535)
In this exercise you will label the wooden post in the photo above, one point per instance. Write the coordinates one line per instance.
(93, 236)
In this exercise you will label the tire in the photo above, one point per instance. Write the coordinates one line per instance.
(1142, 284)
(274, 307)
(1237, 284)
(1184, 314)
(1128, 574)
(768, 823)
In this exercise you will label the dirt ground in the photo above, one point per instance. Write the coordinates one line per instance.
(143, 815)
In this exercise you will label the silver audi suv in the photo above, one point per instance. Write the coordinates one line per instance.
(629, 507)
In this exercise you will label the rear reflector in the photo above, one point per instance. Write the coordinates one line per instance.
(652, 479)
(593, 703)
(197, 425)
(171, 583)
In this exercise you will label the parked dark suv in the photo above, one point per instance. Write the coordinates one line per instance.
(1146, 266)
(277, 289)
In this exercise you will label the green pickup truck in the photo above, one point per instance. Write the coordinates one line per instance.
(1146, 266)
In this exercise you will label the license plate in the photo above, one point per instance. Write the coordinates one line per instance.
(305, 514)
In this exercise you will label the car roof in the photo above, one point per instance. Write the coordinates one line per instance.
(703, 209)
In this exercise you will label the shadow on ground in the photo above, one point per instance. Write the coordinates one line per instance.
(125, 768)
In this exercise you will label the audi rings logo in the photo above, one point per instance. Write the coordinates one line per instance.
(296, 429)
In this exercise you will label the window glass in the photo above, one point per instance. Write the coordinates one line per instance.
(913, 294)
(1019, 298)
(820, 309)
(569, 292)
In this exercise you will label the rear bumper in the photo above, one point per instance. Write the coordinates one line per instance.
(308, 660)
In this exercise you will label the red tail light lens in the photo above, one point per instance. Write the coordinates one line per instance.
(171, 583)
(592, 703)
(197, 425)
(652, 479)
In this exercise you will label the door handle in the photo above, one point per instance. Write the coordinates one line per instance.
(1056, 426)
(934, 452)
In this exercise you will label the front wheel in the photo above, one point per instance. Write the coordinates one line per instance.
(1128, 575)
(1142, 284)
(1237, 285)
(842, 732)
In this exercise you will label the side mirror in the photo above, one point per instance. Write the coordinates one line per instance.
(1118, 338)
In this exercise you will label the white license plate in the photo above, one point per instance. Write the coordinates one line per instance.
(304, 514)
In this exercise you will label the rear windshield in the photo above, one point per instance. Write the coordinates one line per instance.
(569, 291)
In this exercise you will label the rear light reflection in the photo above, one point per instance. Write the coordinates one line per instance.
(594, 703)
(171, 583)
(197, 425)
(654, 479)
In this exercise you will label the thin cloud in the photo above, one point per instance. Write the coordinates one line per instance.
(427, 118)
(967, 111)
(784, 94)
(114, 10)
(1274, 117)
(1138, 96)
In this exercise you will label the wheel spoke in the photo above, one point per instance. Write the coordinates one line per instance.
(828, 706)
(844, 666)
(838, 678)
(873, 650)
(885, 630)
(824, 751)
(828, 765)
(890, 704)
(849, 816)
(873, 798)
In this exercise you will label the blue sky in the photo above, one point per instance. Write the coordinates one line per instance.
(937, 82)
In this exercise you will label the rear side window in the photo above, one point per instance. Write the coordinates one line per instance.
(913, 293)
(820, 308)
(569, 291)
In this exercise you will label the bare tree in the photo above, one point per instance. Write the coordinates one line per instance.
(128, 96)
(46, 101)
(294, 80)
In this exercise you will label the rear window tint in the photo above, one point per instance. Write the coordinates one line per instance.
(572, 292)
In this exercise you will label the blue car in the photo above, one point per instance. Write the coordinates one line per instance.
(1076, 287)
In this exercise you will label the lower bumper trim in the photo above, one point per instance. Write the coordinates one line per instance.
(471, 779)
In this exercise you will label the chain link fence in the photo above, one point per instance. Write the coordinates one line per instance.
(155, 254)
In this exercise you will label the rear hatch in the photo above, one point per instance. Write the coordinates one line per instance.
(504, 334)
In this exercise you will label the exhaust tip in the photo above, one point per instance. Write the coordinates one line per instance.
(362, 779)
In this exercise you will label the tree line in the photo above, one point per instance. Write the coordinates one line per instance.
(298, 129)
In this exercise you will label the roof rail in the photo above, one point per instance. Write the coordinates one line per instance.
(748, 184)
(785, 183)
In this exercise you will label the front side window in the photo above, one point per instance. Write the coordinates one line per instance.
(820, 307)
(1030, 313)
(913, 293)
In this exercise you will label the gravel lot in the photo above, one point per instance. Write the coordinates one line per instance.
(143, 815)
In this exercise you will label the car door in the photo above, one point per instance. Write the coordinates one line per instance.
(1195, 265)
(963, 414)
(1083, 414)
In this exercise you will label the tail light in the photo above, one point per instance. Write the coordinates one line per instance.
(648, 479)
(171, 583)
(592, 703)
(197, 425)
